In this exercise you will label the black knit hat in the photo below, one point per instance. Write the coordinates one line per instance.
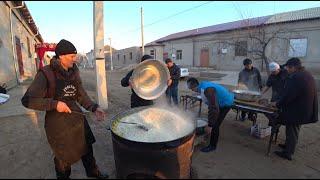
(146, 57)
(65, 47)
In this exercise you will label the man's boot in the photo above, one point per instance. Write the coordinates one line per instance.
(63, 170)
(96, 173)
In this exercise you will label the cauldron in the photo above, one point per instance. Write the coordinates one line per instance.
(165, 159)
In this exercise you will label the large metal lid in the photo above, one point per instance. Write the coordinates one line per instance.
(149, 79)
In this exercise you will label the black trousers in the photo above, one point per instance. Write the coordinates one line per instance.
(216, 126)
(244, 113)
(63, 170)
(292, 134)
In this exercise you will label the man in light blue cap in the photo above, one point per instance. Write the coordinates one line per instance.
(219, 101)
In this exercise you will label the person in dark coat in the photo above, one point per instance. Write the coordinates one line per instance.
(298, 104)
(173, 82)
(219, 101)
(276, 81)
(249, 78)
(136, 101)
(56, 89)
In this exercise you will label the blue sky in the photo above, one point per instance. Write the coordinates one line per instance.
(74, 20)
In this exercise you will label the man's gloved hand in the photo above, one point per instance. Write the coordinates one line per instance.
(63, 107)
(100, 114)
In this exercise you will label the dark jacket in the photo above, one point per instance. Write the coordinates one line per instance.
(67, 134)
(277, 84)
(213, 105)
(175, 75)
(298, 103)
(3, 90)
(136, 101)
(251, 78)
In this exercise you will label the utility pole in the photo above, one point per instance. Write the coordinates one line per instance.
(98, 36)
(110, 51)
(142, 44)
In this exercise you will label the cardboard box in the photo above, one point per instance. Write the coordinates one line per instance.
(260, 132)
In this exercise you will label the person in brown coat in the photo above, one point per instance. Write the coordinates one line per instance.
(56, 89)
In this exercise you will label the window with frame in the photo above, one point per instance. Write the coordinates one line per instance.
(152, 53)
(124, 57)
(298, 47)
(118, 57)
(241, 48)
(179, 55)
(130, 55)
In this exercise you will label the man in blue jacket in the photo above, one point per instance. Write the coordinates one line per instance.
(219, 101)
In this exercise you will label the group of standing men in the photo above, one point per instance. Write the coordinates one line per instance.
(294, 93)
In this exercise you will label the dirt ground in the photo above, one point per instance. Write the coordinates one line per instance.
(25, 153)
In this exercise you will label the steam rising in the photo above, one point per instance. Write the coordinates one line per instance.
(164, 123)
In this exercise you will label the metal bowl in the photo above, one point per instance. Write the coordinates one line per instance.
(246, 95)
(149, 79)
(201, 124)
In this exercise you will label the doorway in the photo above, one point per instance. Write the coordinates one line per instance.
(204, 58)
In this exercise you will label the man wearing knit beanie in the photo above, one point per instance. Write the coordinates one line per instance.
(57, 89)
(65, 47)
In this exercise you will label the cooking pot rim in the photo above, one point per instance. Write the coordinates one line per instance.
(162, 143)
(138, 109)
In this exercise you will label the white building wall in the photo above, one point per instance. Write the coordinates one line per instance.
(7, 69)
(171, 48)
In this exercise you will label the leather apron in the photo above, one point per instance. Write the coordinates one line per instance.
(66, 131)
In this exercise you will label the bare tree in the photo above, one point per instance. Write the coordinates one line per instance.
(257, 41)
(261, 39)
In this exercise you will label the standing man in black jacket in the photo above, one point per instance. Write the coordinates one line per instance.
(298, 104)
(250, 78)
(173, 82)
(136, 101)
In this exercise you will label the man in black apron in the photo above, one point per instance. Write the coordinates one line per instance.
(56, 89)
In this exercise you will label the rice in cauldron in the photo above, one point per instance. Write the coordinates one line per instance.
(162, 126)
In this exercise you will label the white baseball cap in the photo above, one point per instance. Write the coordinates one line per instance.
(273, 66)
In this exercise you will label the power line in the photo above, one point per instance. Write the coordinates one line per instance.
(168, 17)
(178, 13)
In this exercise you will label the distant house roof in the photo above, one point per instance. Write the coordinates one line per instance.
(107, 48)
(26, 15)
(153, 44)
(217, 28)
(305, 14)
